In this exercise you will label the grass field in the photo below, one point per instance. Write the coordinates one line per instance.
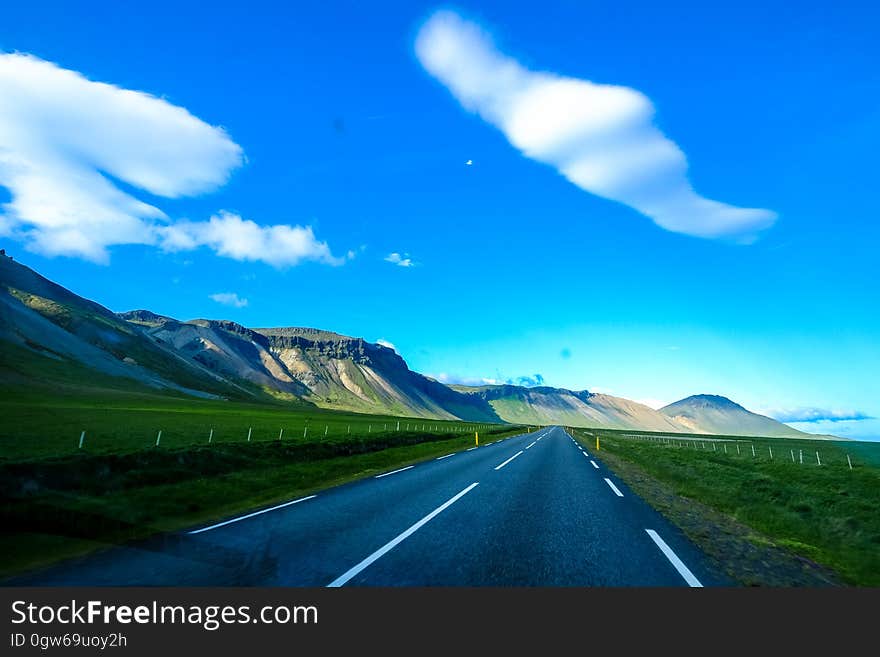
(36, 426)
(825, 513)
(58, 501)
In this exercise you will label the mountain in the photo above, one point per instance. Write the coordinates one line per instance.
(49, 336)
(546, 405)
(325, 368)
(719, 415)
(53, 339)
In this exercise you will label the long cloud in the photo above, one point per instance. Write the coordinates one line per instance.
(66, 140)
(816, 414)
(600, 137)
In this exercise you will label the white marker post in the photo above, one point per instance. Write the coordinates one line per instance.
(82, 437)
(848, 461)
(249, 434)
(281, 433)
(325, 430)
(737, 448)
(158, 437)
(211, 436)
(771, 451)
(753, 450)
(792, 455)
(802, 456)
(398, 425)
(818, 460)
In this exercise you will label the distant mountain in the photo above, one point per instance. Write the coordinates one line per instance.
(545, 405)
(719, 415)
(52, 339)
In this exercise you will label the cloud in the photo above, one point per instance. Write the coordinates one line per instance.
(455, 379)
(600, 137)
(527, 381)
(240, 239)
(399, 260)
(74, 154)
(815, 414)
(229, 299)
(385, 343)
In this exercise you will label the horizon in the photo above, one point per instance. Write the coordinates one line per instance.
(409, 201)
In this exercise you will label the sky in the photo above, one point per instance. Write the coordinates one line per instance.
(650, 200)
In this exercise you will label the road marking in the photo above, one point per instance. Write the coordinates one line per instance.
(498, 467)
(390, 545)
(594, 464)
(394, 472)
(683, 570)
(613, 487)
(251, 515)
(440, 458)
(470, 449)
(532, 445)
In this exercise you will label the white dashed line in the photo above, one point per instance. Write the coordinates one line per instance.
(394, 472)
(683, 570)
(440, 458)
(498, 467)
(594, 465)
(613, 487)
(532, 445)
(390, 545)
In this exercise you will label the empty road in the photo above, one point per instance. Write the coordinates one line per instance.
(533, 510)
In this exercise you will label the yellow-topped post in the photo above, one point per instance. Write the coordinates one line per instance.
(476, 438)
(597, 442)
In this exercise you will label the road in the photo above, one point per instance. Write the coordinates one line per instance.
(533, 510)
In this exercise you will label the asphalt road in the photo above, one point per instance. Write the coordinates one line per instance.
(532, 510)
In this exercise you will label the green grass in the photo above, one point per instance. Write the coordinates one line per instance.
(59, 501)
(827, 514)
(33, 425)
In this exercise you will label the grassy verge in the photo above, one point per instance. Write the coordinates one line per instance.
(770, 521)
(64, 506)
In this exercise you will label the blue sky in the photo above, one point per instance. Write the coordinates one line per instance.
(351, 140)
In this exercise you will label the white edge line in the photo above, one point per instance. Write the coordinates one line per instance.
(440, 458)
(470, 449)
(394, 542)
(683, 570)
(532, 445)
(251, 515)
(393, 472)
(498, 467)
(613, 487)
(594, 464)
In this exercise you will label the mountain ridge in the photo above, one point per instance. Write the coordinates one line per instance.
(40, 319)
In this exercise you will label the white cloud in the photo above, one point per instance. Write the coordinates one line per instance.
(385, 343)
(815, 414)
(229, 299)
(240, 239)
(399, 260)
(455, 379)
(65, 141)
(600, 137)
